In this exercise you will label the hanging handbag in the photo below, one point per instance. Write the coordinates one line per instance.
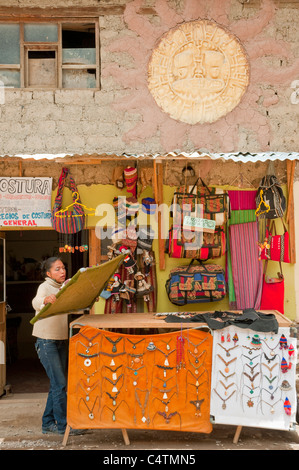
(270, 200)
(196, 284)
(273, 291)
(72, 219)
(214, 202)
(275, 247)
(200, 245)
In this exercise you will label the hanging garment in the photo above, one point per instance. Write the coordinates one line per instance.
(242, 200)
(250, 318)
(236, 217)
(247, 269)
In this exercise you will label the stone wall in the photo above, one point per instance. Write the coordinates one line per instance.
(123, 116)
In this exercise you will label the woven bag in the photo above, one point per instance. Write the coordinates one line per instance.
(71, 220)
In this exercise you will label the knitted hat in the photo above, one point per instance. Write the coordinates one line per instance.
(131, 180)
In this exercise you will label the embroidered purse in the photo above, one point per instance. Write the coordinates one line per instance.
(70, 220)
(196, 284)
(275, 247)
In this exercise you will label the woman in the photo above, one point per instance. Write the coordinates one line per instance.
(51, 346)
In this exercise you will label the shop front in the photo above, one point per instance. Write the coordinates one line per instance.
(193, 241)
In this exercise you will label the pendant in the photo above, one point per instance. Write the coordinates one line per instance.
(166, 363)
(165, 396)
(112, 363)
(226, 369)
(114, 389)
(114, 376)
(143, 419)
(223, 406)
(250, 403)
(151, 346)
(87, 362)
(91, 416)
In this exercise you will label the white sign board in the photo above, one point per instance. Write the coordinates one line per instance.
(25, 202)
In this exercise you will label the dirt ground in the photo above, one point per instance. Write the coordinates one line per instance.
(20, 429)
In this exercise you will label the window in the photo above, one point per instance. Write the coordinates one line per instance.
(62, 54)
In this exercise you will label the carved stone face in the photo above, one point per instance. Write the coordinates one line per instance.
(198, 73)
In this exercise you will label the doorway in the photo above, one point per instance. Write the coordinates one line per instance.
(24, 252)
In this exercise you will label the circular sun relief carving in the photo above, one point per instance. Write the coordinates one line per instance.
(198, 72)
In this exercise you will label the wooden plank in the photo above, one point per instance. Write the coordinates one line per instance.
(19, 13)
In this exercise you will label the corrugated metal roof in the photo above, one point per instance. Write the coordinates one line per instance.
(235, 156)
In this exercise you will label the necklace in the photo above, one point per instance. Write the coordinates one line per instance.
(135, 343)
(90, 415)
(168, 417)
(114, 342)
(166, 363)
(251, 379)
(226, 363)
(196, 357)
(166, 403)
(271, 393)
(136, 359)
(251, 349)
(88, 389)
(113, 398)
(269, 368)
(224, 400)
(135, 372)
(251, 359)
(270, 381)
(197, 404)
(90, 345)
(114, 389)
(165, 368)
(142, 406)
(227, 350)
(166, 380)
(89, 375)
(90, 340)
(272, 353)
(252, 367)
(196, 345)
(113, 411)
(269, 359)
(226, 376)
(226, 386)
(272, 410)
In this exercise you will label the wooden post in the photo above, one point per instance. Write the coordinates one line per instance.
(290, 210)
(158, 187)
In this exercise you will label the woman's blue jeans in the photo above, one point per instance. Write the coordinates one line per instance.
(53, 356)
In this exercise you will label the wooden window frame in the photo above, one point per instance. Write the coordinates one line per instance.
(57, 46)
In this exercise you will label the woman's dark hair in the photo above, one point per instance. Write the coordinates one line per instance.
(47, 264)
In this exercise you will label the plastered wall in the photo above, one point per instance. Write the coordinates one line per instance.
(123, 116)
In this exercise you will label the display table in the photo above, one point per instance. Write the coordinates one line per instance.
(148, 320)
(154, 381)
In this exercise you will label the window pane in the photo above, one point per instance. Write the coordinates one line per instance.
(40, 32)
(79, 79)
(10, 78)
(42, 69)
(79, 56)
(9, 44)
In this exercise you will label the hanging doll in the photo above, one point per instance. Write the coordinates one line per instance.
(143, 287)
(116, 287)
(129, 262)
(126, 291)
(112, 251)
(147, 261)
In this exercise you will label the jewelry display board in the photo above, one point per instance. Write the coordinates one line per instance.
(160, 381)
(254, 378)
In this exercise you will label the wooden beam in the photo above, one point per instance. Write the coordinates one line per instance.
(158, 188)
(19, 14)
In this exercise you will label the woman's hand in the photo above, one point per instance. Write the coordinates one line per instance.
(50, 299)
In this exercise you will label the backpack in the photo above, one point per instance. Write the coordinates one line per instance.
(270, 200)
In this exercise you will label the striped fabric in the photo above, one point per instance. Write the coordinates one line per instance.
(247, 269)
(242, 200)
